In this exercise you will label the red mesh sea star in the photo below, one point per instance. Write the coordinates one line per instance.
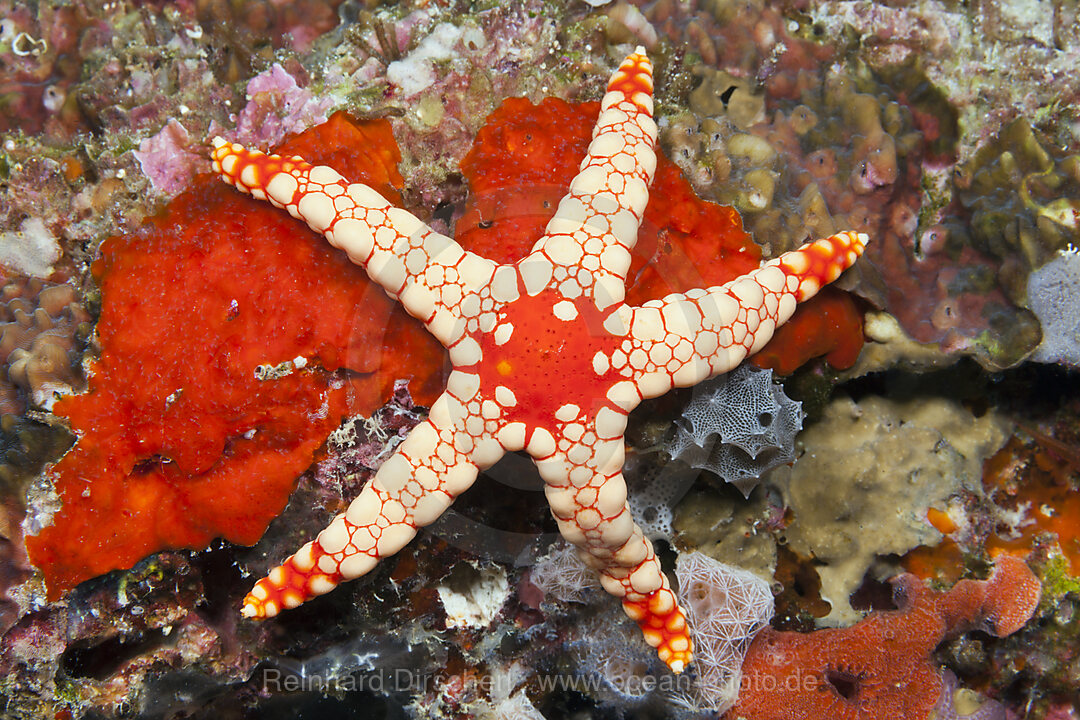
(554, 320)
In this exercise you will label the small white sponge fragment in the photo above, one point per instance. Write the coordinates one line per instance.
(473, 596)
(562, 575)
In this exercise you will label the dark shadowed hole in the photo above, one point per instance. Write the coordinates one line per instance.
(147, 465)
(221, 577)
(873, 594)
(845, 684)
(444, 211)
(103, 660)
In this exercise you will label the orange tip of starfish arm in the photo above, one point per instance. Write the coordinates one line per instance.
(252, 609)
(262, 602)
(664, 627)
(675, 648)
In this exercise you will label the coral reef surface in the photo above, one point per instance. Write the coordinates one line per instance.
(192, 384)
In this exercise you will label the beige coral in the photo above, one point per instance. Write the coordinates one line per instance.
(792, 169)
(41, 325)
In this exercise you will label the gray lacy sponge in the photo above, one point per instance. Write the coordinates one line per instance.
(738, 426)
(1054, 296)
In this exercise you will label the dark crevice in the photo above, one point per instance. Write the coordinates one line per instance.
(845, 684)
(220, 576)
(873, 594)
(102, 660)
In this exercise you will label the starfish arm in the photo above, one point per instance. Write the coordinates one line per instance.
(429, 273)
(596, 223)
(582, 471)
(412, 489)
(688, 337)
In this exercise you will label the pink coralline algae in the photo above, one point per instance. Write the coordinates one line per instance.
(278, 107)
(168, 159)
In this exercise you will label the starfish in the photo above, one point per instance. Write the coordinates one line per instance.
(546, 356)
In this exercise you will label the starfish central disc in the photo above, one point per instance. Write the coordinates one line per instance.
(554, 352)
